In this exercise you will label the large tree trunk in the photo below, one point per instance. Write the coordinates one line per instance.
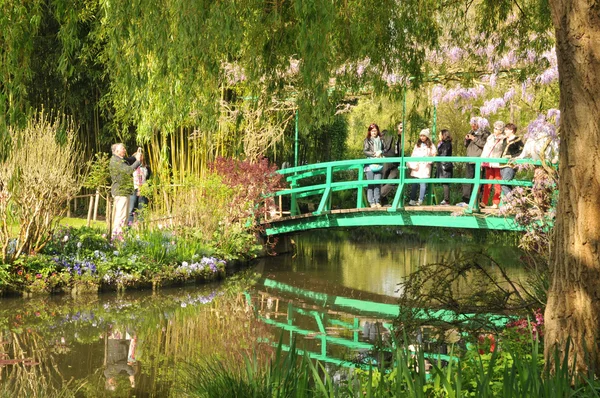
(573, 308)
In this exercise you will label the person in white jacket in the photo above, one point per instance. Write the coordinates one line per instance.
(424, 148)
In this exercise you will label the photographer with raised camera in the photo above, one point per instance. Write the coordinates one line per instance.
(122, 184)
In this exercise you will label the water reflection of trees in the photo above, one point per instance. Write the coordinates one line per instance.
(29, 365)
(379, 266)
(53, 347)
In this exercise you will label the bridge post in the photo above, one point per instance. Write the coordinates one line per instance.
(474, 202)
(294, 209)
(431, 198)
(325, 203)
(359, 191)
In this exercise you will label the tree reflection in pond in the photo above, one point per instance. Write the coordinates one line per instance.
(133, 344)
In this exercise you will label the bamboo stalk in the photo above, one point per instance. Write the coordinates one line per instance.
(90, 210)
(96, 204)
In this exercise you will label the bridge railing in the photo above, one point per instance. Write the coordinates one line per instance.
(301, 185)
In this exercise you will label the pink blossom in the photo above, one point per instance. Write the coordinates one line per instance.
(508, 60)
(455, 54)
(362, 66)
(293, 68)
(548, 76)
(491, 106)
(509, 94)
(437, 93)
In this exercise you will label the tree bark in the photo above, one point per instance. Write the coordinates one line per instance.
(573, 308)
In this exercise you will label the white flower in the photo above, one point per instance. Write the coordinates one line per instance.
(66, 238)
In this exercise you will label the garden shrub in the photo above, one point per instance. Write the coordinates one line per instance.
(221, 208)
(37, 178)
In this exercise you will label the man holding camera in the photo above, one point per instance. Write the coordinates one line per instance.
(121, 174)
(391, 148)
(474, 141)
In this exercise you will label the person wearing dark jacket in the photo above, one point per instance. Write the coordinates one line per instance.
(474, 141)
(121, 174)
(390, 170)
(373, 148)
(514, 147)
(444, 169)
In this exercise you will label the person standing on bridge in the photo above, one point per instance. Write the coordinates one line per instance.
(390, 170)
(474, 141)
(373, 148)
(514, 147)
(424, 148)
(445, 169)
(494, 148)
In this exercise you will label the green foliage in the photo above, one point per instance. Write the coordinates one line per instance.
(98, 176)
(496, 374)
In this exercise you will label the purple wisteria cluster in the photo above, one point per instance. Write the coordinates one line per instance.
(210, 264)
(544, 125)
(441, 94)
(492, 106)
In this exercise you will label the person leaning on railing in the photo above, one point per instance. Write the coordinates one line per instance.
(373, 148)
(494, 148)
(514, 147)
(444, 169)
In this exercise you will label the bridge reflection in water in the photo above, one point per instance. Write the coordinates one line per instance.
(334, 329)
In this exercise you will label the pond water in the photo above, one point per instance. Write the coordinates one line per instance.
(334, 294)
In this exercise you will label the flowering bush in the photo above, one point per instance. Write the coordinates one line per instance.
(219, 210)
(206, 267)
(79, 260)
(516, 338)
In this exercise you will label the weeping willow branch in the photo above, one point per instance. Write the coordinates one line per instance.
(467, 289)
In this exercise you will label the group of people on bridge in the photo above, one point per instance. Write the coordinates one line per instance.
(502, 142)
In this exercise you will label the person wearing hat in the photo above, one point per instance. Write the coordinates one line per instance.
(424, 148)
(494, 148)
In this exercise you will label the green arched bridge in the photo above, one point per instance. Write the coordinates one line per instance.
(325, 184)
